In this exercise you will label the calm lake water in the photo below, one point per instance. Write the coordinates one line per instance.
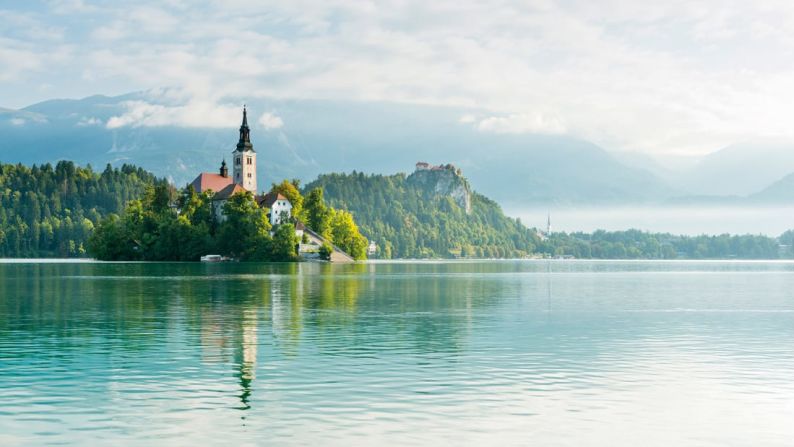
(477, 353)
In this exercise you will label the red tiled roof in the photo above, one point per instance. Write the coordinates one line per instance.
(270, 198)
(207, 180)
(228, 191)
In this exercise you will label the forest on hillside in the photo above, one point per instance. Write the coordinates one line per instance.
(50, 211)
(53, 211)
(636, 244)
(408, 220)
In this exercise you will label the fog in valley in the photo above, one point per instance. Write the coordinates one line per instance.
(769, 221)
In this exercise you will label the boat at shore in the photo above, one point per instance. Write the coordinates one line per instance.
(214, 258)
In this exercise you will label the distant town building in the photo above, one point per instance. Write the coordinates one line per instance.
(372, 249)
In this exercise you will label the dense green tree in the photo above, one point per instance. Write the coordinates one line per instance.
(316, 212)
(345, 234)
(48, 211)
(285, 242)
(245, 229)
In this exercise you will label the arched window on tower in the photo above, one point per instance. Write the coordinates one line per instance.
(237, 161)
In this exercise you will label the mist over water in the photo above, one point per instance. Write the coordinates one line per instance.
(687, 220)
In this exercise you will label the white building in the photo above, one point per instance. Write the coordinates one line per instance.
(279, 206)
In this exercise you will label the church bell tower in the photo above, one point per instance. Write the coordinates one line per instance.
(244, 158)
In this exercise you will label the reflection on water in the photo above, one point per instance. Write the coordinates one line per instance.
(496, 353)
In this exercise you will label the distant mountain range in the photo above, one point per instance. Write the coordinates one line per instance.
(315, 137)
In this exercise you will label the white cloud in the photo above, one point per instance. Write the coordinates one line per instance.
(17, 121)
(86, 121)
(522, 123)
(664, 77)
(193, 114)
(270, 121)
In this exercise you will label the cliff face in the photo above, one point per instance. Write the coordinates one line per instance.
(443, 181)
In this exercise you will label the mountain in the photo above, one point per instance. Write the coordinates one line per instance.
(740, 169)
(781, 191)
(430, 213)
(329, 136)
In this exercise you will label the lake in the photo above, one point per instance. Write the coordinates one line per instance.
(601, 353)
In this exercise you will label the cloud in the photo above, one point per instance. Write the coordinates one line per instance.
(676, 76)
(522, 123)
(193, 114)
(270, 121)
(86, 121)
(17, 121)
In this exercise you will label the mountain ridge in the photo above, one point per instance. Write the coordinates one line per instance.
(316, 136)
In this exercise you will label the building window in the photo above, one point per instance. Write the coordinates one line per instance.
(249, 160)
(238, 176)
(249, 175)
(237, 161)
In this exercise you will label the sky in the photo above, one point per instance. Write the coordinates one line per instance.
(665, 78)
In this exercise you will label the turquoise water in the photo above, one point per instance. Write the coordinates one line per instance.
(473, 353)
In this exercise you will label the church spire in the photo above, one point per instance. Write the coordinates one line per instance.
(244, 144)
(224, 169)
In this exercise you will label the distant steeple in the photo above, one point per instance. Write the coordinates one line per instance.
(244, 144)
(548, 224)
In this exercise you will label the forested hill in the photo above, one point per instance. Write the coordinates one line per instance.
(424, 215)
(48, 211)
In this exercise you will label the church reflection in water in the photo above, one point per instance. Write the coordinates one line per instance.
(234, 312)
(277, 311)
(246, 355)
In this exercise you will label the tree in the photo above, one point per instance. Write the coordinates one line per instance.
(346, 236)
(245, 228)
(316, 212)
(110, 241)
(325, 251)
(284, 243)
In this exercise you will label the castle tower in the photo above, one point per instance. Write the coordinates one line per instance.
(244, 158)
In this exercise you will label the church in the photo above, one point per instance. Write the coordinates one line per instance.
(243, 178)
